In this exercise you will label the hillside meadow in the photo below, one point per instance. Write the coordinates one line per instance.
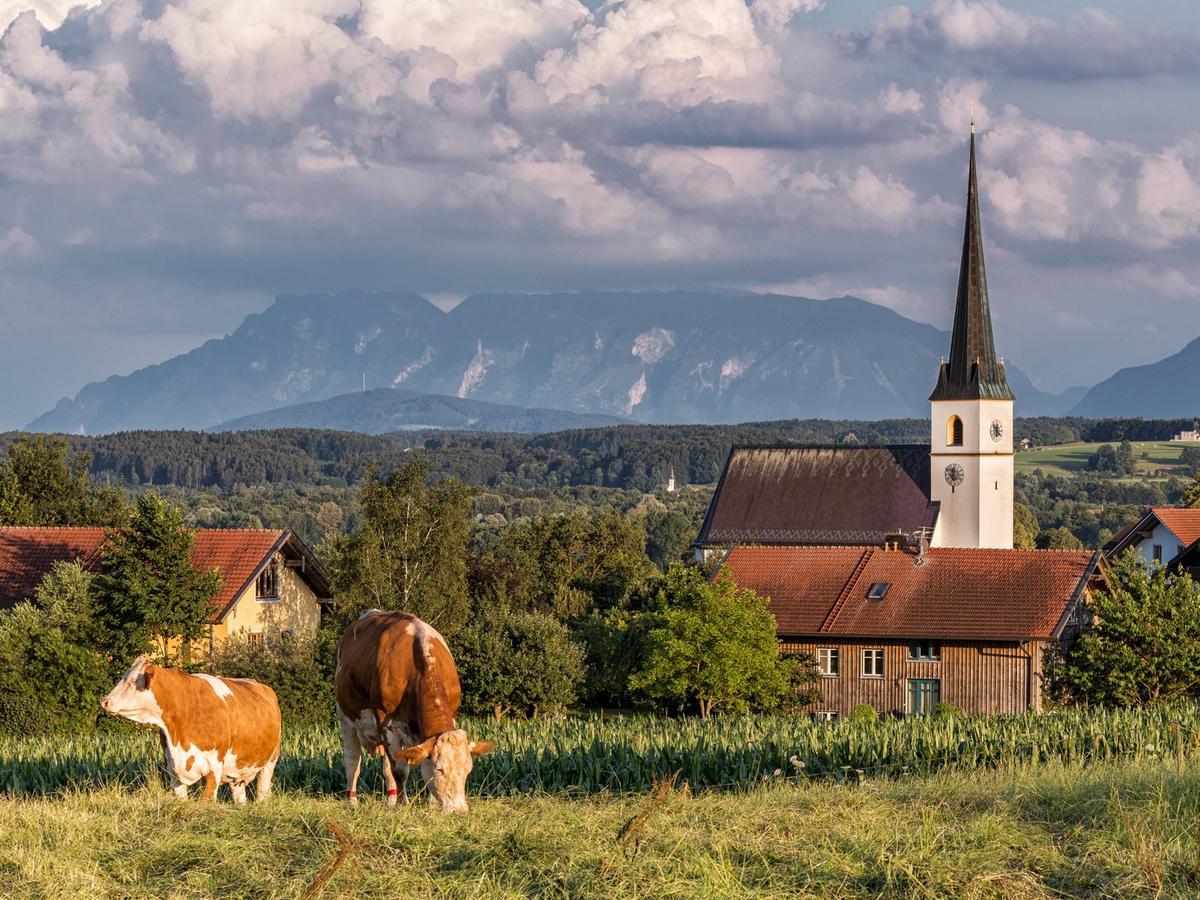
(1154, 459)
(1072, 803)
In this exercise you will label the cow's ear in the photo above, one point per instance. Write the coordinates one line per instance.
(414, 755)
(478, 748)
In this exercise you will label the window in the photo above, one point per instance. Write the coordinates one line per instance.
(827, 661)
(1158, 552)
(878, 590)
(923, 695)
(954, 432)
(267, 586)
(872, 663)
(925, 651)
(255, 638)
(825, 715)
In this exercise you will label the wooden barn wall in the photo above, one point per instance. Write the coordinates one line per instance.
(978, 678)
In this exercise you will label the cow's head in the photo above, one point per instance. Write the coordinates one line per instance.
(131, 697)
(446, 760)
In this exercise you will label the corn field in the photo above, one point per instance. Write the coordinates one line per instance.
(593, 754)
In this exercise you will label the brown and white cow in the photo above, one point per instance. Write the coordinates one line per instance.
(224, 730)
(397, 693)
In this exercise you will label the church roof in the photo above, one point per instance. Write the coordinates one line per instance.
(953, 593)
(973, 372)
(820, 495)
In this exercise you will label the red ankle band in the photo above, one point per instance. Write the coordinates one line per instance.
(393, 792)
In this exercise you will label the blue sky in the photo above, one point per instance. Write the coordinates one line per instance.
(168, 167)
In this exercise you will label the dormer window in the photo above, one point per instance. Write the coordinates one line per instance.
(267, 585)
(954, 432)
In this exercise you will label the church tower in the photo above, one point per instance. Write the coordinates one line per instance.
(972, 411)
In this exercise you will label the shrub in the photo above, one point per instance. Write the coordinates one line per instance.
(946, 710)
(864, 712)
(295, 667)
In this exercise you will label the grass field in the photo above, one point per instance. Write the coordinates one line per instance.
(1110, 830)
(1073, 803)
(1153, 457)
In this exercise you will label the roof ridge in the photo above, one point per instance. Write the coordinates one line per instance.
(844, 596)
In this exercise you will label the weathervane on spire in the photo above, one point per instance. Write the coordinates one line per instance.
(972, 117)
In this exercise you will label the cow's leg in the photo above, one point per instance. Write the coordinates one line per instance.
(351, 758)
(178, 788)
(211, 782)
(238, 789)
(402, 769)
(262, 790)
(389, 776)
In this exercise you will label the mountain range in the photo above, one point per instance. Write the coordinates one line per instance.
(676, 356)
(384, 410)
(1169, 388)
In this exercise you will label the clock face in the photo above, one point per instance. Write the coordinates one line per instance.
(997, 429)
(954, 475)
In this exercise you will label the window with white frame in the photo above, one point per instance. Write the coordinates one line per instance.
(827, 661)
(825, 715)
(872, 663)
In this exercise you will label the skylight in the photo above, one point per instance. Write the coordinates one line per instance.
(878, 589)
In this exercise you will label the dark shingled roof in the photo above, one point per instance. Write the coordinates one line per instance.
(955, 593)
(820, 495)
(973, 372)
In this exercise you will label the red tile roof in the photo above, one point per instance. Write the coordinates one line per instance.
(27, 554)
(820, 495)
(955, 593)
(1183, 522)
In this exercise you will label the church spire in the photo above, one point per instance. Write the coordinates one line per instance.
(973, 372)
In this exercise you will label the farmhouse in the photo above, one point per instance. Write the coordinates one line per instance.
(1160, 535)
(894, 565)
(903, 630)
(270, 579)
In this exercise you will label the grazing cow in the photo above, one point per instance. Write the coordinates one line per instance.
(224, 730)
(397, 693)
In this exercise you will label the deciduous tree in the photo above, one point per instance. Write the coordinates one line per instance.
(410, 551)
(710, 644)
(1144, 641)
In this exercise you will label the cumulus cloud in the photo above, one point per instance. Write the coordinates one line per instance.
(1088, 43)
(452, 146)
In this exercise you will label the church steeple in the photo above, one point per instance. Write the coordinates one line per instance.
(973, 372)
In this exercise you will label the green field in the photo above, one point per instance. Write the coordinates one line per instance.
(1072, 803)
(1110, 830)
(1153, 458)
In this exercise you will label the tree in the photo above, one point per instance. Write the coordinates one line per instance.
(1144, 641)
(148, 594)
(566, 565)
(1059, 539)
(1104, 459)
(1025, 527)
(669, 536)
(511, 659)
(1125, 458)
(410, 551)
(42, 483)
(710, 644)
(52, 673)
(1191, 494)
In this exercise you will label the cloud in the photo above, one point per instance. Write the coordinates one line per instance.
(987, 35)
(1168, 282)
(156, 152)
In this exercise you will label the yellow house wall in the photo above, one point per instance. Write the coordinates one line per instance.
(296, 608)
